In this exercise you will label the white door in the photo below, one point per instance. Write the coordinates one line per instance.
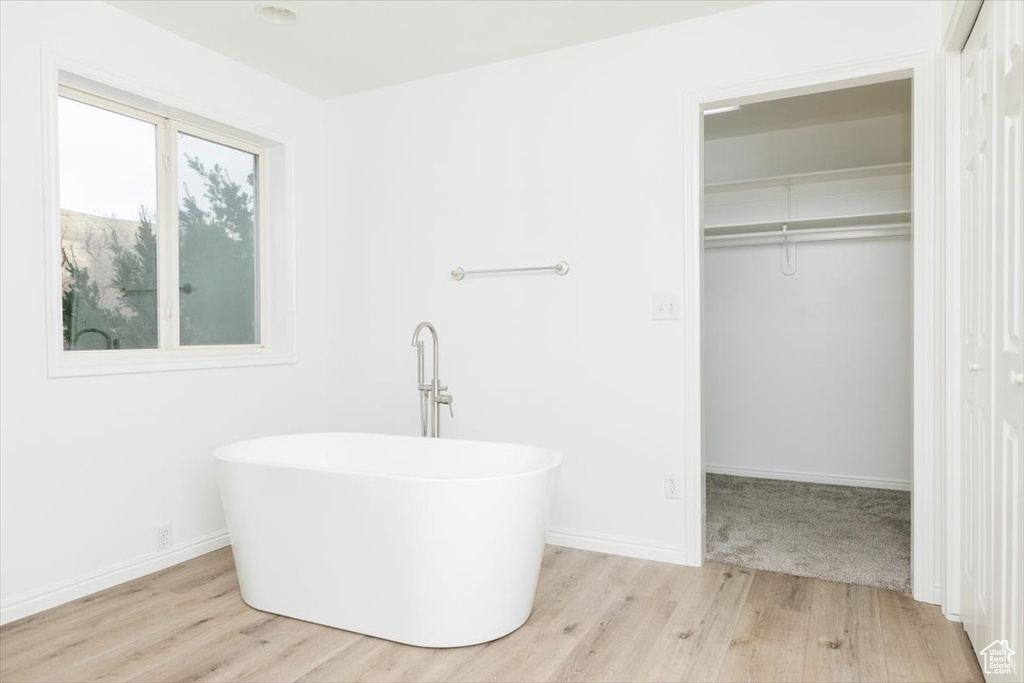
(1008, 331)
(976, 316)
(993, 334)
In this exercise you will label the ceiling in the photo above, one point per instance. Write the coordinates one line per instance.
(848, 104)
(341, 47)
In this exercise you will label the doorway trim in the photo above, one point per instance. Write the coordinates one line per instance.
(929, 266)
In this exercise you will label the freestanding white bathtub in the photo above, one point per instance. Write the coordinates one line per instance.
(430, 542)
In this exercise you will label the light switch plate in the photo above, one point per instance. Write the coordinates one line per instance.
(666, 307)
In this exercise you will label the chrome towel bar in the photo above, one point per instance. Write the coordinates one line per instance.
(560, 268)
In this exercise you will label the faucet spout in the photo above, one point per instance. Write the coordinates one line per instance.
(419, 328)
(433, 337)
(430, 394)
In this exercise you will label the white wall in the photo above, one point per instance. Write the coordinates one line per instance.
(89, 467)
(826, 147)
(811, 374)
(576, 155)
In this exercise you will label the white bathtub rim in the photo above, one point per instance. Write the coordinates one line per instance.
(220, 453)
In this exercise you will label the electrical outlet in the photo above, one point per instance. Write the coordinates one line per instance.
(163, 538)
(672, 486)
(665, 307)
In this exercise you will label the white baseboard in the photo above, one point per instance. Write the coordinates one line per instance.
(39, 600)
(614, 545)
(866, 482)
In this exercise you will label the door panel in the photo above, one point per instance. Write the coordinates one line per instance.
(992, 322)
(976, 69)
(1008, 361)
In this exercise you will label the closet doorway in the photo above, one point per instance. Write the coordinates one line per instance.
(808, 334)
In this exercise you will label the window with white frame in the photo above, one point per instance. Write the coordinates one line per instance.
(162, 233)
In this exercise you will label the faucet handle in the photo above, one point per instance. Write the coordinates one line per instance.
(447, 400)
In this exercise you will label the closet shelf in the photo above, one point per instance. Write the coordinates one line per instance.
(867, 202)
(810, 177)
(797, 224)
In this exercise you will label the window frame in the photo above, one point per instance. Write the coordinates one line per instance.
(260, 209)
(276, 336)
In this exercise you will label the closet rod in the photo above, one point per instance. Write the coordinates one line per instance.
(807, 235)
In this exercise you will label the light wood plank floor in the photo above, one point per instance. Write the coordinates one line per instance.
(596, 618)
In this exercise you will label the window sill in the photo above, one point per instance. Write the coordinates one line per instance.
(90, 363)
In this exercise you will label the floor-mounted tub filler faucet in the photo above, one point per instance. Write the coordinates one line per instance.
(431, 395)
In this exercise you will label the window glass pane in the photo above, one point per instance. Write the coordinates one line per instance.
(217, 243)
(108, 208)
